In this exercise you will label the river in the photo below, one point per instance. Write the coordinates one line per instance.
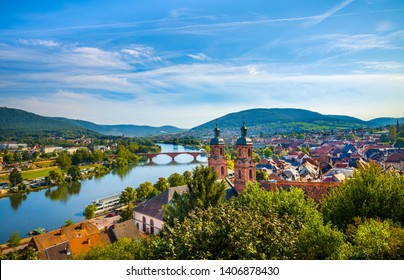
(50, 208)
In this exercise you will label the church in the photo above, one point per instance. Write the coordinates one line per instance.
(244, 166)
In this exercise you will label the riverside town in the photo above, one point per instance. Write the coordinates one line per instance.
(202, 138)
(299, 183)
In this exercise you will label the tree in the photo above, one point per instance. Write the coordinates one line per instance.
(127, 195)
(56, 175)
(203, 191)
(127, 213)
(36, 155)
(82, 155)
(68, 222)
(26, 155)
(74, 172)
(392, 133)
(376, 239)
(175, 180)
(14, 240)
(8, 157)
(144, 190)
(123, 249)
(226, 232)
(15, 177)
(370, 193)
(262, 175)
(256, 158)
(161, 184)
(315, 239)
(269, 151)
(18, 156)
(89, 211)
(98, 155)
(399, 143)
(123, 157)
(64, 161)
(187, 176)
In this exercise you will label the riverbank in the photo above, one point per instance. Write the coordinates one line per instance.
(34, 180)
(50, 208)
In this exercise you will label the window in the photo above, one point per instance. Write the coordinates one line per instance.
(250, 174)
(249, 152)
(239, 152)
(144, 224)
(151, 226)
(221, 151)
(222, 170)
(137, 225)
(239, 174)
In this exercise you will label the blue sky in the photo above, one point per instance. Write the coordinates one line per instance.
(187, 62)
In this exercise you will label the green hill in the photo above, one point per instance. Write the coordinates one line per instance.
(19, 122)
(15, 119)
(386, 121)
(281, 120)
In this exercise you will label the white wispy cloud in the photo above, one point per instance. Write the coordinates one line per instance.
(317, 19)
(382, 65)
(94, 57)
(141, 54)
(39, 42)
(384, 26)
(199, 56)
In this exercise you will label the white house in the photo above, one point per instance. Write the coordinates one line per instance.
(148, 216)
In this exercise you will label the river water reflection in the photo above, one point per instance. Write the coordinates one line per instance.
(50, 208)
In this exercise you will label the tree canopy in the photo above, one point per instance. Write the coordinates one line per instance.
(203, 191)
(15, 177)
(127, 195)
(371, 193)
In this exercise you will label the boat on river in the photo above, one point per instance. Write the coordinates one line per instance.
(107, 203)
(37, 231)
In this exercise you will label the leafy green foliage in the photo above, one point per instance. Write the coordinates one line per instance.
(74, 172)
(14, 240)
(262, 175)
(56, 175)
(161, 184)
(204, 191)
(15, 177)
(123, 249)
(225, 232)
(175, 180)
(314, 239)
(128, 195)
(89, 211)
(81, 156)
(127, 213)
(68, 222)
(371, 193)
(144, 191)
(376, 239)
(399, 143)
(27, 253)
(64, 160)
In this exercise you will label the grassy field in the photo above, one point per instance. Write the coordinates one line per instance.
(44, 163)
(31, 174)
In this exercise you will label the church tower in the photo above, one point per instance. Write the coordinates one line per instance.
(217, 159)
(244, 167)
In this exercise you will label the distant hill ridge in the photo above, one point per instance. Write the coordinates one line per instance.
(257, 120)
(286, 120)
(16, 119)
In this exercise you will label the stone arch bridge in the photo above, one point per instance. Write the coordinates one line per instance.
(173, 155)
